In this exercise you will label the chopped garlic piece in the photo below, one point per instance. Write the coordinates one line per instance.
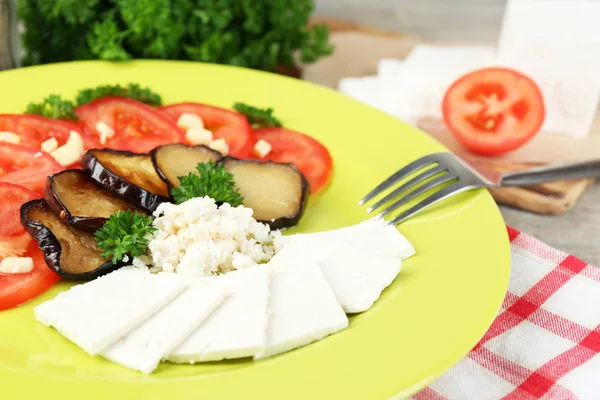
(196, 136)
(220, 145)
(106, 132)
(188, 121)
(71, 151)
(10, 137)
(14, 246)
(49, 145)
(16, 265)
(262, 148)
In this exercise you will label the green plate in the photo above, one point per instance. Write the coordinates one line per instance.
(437, 309)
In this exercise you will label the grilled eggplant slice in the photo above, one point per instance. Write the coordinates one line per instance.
(277, 193)
(174, 160)
(130, 175)
(68, 251)
(80, 202)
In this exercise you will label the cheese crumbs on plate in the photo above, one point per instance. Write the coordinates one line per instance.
(197, 238)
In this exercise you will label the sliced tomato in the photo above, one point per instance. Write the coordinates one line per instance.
(227, 124)
(16, 289)
(310, 156)
(34, 130)
(137, 126)
(26, 166)
(13, 197)
(493, 110)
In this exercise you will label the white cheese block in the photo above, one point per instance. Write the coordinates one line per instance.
(389, 69)
(146, 346)
(564, 61)
(96, 314)
(303, 307)
(238, 327)
(358, 278)
(372, 236)
(428, 72)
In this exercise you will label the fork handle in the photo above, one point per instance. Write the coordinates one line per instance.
(578, 170)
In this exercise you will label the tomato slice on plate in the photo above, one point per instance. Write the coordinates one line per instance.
(310, 156)
(34, 130)
(26, 166)
(137, 126)
(493, 110)
(227, 124)
(16, 289)
(13, 197)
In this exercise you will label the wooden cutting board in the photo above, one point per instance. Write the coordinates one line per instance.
(359, 48)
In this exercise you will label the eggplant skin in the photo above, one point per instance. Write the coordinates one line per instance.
(91, 224)
(118, 185)
(51, 248)
(288, 220)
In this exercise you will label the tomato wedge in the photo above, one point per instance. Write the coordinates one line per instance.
(227, 124)
(26, 166)
(137, 126)
(13, 196)
(310, 156)
(16, 289)
(34, 130)
(493, 110)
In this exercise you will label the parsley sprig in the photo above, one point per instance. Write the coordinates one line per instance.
(53, 106)
(124, 234)
(209, 180)
(258, 117)
(131, 91)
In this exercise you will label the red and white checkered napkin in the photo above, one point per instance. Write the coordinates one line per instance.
(545, 341)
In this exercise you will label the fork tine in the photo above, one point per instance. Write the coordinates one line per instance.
(429, 201)
(398, 175)
(422, 189)
(416, 180)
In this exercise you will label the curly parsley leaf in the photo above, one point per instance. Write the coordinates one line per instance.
(125, 233)
(209, 180)
(132, 91)
(261, 34)
(53, 106)
(258, 117)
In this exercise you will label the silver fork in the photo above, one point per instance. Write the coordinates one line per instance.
(459, 175)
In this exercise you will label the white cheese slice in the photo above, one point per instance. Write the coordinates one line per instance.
(372, 236)
(96, 314)
(358, 278)
(303, 307)
(146, 346)
(238, 327)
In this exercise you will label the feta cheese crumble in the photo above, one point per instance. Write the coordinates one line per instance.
(196, 238)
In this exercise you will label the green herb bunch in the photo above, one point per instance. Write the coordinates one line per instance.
(210, 180)
(261, 34)
(124, 234)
